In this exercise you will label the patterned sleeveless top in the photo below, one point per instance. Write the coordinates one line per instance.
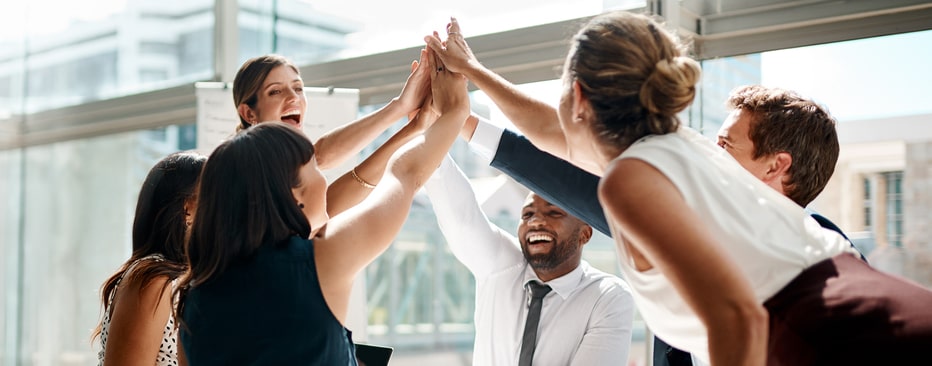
(168, 350)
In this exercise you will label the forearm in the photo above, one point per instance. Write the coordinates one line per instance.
(337, 145)
(536, 119)
(473, 239)
(469, 128)
(345, 249)
(738, 336)
(413, 166)
(347, 191)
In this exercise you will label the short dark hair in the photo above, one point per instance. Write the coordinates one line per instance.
(781, 120)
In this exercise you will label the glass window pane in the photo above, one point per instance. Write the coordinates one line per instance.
(894, 183)
(316, 30)
(719, 77)
(878, 77)
(10, 201)
(12, 49)
(67, 52)
(80, 199)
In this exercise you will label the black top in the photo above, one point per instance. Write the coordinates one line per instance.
(268, 310)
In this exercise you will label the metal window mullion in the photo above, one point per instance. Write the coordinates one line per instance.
(226, 39)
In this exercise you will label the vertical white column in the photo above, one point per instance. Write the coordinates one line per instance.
(226, 40)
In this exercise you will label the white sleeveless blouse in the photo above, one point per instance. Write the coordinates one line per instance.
(769, 237)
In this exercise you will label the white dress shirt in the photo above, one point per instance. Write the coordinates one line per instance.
(485, 140)
(585, 320)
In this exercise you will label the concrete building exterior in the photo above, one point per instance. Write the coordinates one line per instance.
(881, 192)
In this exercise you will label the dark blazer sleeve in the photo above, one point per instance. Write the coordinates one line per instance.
(828, 224)
(554, 179)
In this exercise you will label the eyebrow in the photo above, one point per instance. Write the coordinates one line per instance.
(266, 86)
(549, 205)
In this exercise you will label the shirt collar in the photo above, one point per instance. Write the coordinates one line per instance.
(564, 285)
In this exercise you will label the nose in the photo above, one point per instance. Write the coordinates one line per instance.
(291, 94)
(536, 220)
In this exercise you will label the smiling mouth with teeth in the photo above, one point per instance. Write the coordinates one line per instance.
(539, 238)
(293, 117)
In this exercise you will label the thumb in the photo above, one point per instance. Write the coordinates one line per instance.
(434, 43)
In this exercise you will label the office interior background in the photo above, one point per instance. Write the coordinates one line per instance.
(93, 93)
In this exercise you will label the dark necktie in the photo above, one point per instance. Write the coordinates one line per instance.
(529, 341)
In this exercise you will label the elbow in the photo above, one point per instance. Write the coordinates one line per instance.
(411, 177)
(758, 321)
(748, 320)
(324, 160)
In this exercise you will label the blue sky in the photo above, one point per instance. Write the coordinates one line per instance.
(860, 79)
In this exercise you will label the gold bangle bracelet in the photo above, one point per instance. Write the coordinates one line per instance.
(358, 179)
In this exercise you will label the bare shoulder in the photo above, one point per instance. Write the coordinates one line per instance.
(627, 179)
(135, 288)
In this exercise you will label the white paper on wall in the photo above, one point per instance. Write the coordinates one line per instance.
(217, 119)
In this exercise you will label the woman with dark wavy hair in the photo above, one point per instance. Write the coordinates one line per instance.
(137, 326)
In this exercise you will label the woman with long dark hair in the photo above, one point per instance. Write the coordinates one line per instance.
(137, 326)
(270, 272)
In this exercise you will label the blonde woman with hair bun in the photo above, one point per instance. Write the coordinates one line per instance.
(721, 265)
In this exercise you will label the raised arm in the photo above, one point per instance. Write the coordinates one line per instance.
(355, 237)
(337, 145)
(479, 244)
(536, 119)
(354, 186)
(555, 179)
(645, 205)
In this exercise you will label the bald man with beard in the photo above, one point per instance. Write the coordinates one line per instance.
(584, 316)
